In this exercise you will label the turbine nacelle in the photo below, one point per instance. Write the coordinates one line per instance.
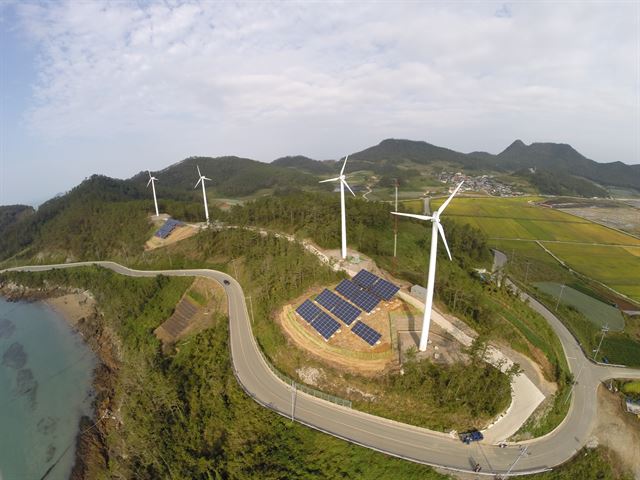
(151, 179)
(342, 178)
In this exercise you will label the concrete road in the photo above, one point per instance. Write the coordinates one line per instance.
(393, 438)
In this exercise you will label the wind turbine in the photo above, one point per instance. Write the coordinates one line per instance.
(201, 179)
(343, 212)
(152, 181)
(436, 228)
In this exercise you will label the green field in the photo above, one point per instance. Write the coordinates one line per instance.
(597, 312)
(617, 267)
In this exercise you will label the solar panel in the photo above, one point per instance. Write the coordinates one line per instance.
(339, 307)
(366, 333)
(167, 228)
(325, 325)
(366, 301)
(362, 299)
(328, 299)
(384, 289)
(365, 278)
(348, 289)
(308, 310)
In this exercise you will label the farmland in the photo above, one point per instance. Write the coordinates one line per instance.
(515, 224)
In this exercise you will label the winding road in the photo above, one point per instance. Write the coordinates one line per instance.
(393, 438)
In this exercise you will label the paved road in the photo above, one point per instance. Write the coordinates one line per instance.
(397, 439)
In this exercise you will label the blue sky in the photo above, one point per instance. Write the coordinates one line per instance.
(118, 87)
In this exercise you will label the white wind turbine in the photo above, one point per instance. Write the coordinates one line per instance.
(435, 230)
(201, 179)
(152, 181)
(343, 212)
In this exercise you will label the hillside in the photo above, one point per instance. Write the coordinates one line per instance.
(230, 176)
(560, 169)
(11, 214)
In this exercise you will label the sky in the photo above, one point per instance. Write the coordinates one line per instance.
(118, 87)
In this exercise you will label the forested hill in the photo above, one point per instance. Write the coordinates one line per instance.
(10, 214)
(552, 158)
(230, 176)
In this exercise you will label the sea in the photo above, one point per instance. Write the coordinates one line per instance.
(46, 375)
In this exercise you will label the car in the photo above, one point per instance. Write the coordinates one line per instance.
(226, 282)
(469, 437)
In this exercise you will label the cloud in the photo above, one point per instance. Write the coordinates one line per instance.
(241, 77)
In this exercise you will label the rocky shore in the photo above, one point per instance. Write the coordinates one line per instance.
(80, 310)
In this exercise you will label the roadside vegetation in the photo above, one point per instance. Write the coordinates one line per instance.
(599, 463)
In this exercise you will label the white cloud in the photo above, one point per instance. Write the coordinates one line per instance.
(218, 77)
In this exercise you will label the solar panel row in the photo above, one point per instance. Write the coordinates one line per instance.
(366, 333)
(167, 228)
(325, 325)
(339, 307)
(378, 286)
(308, 310)
(362, 299)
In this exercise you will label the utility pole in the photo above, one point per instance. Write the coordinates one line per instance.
(560, 296)
(605, 329)
(294, 391)
(523, 452)
(395, 233)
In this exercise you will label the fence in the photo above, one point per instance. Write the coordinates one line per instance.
(306, 389)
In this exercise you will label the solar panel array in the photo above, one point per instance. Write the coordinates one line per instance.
(167, 228)
(363, 299)
(376, 285)
(384, 289)
(325, 325)
(366, 333)
(365, 278)
(308, 310)
(339, 307)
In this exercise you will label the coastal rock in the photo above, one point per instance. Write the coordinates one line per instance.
(14, 357)
(7, 327)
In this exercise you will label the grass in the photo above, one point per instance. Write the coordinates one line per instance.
(599, 313)
(597, 464)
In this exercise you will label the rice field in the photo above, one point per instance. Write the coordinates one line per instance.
(597, 312)
(606, 255)
(617, 267)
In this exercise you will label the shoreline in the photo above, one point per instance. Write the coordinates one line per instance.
(79, 310)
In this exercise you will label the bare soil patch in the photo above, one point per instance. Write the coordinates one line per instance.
(618, 430)
(73, 306)
(179, 233)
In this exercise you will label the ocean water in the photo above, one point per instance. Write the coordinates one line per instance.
(45, 387)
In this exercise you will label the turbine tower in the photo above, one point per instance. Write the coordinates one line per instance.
(152, 181)
(201, 179)
(343, 212)
(436, 228)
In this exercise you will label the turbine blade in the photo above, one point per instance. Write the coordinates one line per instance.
(149, 173)
(347, 185)
(444, 239)
(198, 183)
(198, 167)
(413, 215)
(444, 205)
(150, 180)
(206, 178)
(329, 180)
(344, 165)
